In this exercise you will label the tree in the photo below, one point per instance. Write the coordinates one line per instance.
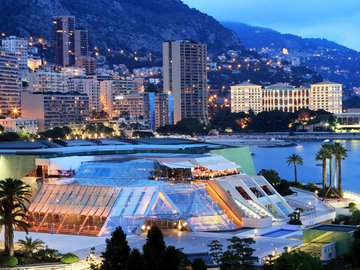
(117, 251)
(171, 259)
(9, 137)
(216, 251)
(297, 260)
(355, 249)
(153, 248)
(29, 245)
(339, 152)
(271, 175)
(14, 197)
(328, 148)
(323, 154)
(295, 159)
(198, 264)
(239, 253)
(135, 261)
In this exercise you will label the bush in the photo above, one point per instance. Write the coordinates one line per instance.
(295, 222)
(352, 205)
(9, 261)
(69, 258)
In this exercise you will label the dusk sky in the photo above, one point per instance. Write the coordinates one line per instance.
(335, 20)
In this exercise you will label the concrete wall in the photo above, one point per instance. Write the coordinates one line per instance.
(14, 166)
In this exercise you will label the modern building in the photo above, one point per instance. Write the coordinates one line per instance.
(81, 43)
(89, 86)
(63, 40)
(327, 96)
(185, 76)
(19, 124)
(87, 62)
(164, 109)
(34, 63)
(112, 92)
(48, 80)
(19, 46)
(53, 109)
(9, 84)
(285, 97)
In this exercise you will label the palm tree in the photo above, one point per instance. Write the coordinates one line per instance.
(295, 159)
(339, 152)
(329, 150)
(29, 246)
(323, 154)
(14, 195)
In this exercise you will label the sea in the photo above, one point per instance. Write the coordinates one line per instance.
(310, 172)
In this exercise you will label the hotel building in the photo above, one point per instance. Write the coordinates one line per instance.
(285, 97)
(55, 109)
(185, 76)
(10, 84)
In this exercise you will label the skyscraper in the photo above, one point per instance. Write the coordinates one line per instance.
(9, 84)
(63, 40)
(81, 43)
(185, 76)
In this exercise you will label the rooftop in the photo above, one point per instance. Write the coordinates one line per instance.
(280, 86)
(334, 228)
(246, 83)
(326, 82)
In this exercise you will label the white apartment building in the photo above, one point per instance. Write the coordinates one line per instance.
(20, 47)
(27, 125)
(48, 80)
(9, 84)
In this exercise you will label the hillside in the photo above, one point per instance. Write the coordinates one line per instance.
(141, 24)
(331, 60)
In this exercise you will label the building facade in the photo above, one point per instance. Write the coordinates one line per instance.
(185, 76)
(10, 84)
(56, 109)
(19, 46)
(27, 125)
(89, 86)
(87, 62)
(326, 96)
(81, 43)
(63, 40)
(112, 93)
(48, 80)
(246, 96)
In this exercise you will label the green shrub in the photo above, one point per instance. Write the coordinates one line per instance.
(352, 205)
(9, 261)
(69, 258)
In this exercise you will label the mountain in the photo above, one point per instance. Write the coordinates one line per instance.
(331, 60)
(260, 37)
(115, 24)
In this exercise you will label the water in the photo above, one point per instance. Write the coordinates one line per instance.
(275, 158)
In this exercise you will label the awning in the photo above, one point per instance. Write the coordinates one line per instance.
(216, 163)
(178, 165)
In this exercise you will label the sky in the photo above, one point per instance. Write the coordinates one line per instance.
(336, 20)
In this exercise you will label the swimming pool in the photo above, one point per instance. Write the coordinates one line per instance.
(277, 233)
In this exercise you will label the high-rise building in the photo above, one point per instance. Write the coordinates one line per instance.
(327, 96)
(56, 109)
(81, 43)
(164, 109)
(19, 46)
(63, 40)
(185, 76)
(87, 62)
(89, 86)
(284, 97)
(9, 84)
